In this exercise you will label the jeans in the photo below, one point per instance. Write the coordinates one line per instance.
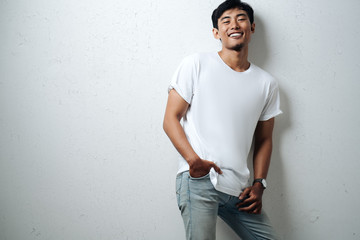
(200, 204)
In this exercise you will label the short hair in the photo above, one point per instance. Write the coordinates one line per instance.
(231, 4)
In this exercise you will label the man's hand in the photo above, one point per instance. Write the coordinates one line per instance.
(252, 199)
(200, 167)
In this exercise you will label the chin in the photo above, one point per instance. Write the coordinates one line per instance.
(237, 47)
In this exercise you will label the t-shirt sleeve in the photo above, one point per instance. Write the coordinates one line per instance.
(184, 78)
(272, 104)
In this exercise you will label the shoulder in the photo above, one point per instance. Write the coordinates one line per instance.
(262, 73)
(264, 76)
(189, 60)
(195, 61)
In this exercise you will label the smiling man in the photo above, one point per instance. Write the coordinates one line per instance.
(225, 102)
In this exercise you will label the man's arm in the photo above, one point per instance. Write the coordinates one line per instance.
(262, 155)
(175, 109)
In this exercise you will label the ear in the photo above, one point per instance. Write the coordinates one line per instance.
(253, 27)
(216, 33)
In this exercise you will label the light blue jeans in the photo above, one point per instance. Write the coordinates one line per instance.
(200, 204)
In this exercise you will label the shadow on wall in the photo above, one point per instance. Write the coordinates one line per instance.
(275, 196)
(259, 50)
(275, 199)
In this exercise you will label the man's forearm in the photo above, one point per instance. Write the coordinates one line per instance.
(262, 156)
(175, 132)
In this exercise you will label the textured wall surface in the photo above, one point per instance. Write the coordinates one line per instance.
(82, 96)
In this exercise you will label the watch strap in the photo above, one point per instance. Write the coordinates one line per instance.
(260, 180)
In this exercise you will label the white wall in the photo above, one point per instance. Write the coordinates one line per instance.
(82, 96)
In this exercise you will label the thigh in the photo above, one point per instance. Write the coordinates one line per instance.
(198, 203)
(246, 225)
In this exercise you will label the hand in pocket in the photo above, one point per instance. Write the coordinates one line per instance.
(200, 168)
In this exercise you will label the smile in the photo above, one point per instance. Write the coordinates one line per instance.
(236, 34)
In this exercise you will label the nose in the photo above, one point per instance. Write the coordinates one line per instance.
(235, 25)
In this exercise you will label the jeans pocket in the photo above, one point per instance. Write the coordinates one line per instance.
(199, 178)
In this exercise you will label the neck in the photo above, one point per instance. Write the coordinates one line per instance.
(237, 60)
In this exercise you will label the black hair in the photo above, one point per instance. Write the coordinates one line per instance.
(231, 4)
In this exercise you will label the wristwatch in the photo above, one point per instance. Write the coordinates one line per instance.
(262, 181)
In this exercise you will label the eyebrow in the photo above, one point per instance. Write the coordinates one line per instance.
(240, 14)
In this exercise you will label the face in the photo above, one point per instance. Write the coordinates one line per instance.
(235, 29)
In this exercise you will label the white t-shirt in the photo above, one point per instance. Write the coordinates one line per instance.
(225, 107)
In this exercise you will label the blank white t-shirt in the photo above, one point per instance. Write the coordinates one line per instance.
(225, 107)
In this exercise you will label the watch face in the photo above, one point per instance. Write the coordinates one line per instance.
(263, 181)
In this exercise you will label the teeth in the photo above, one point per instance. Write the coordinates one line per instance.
(235, 34)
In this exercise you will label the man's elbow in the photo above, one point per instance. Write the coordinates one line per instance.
(166, 124)
(170, 122)
(263, 141)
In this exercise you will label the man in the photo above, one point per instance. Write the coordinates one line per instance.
(224, 101)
